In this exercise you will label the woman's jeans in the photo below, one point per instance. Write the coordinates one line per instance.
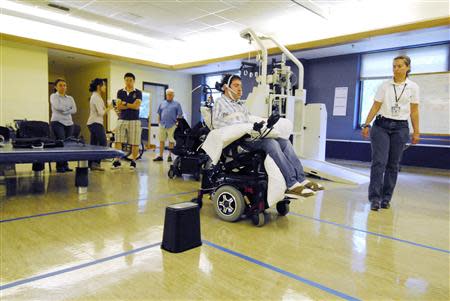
(98, 137)
(388, 138)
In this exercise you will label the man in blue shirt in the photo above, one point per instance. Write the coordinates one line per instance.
(168, 113)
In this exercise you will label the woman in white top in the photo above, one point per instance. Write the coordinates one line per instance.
(396, 100)
(95, 121)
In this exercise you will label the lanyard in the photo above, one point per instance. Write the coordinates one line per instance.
(395, 91)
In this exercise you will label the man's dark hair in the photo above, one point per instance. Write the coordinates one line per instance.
(94, 83)
(59, 80)
(228, 79)
(129, 74)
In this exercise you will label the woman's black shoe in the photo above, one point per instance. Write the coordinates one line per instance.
(385, 205)
(374, 206)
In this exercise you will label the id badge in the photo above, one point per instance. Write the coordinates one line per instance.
(395, 110)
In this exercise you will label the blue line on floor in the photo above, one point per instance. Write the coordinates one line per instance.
(74, 268)
(89, 207)
(281, 271)
(371, 233)
(61, 212)
(242, 256)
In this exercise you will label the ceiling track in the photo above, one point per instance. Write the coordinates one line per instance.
(311, 7)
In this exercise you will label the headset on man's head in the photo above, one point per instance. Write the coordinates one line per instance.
(226, 82)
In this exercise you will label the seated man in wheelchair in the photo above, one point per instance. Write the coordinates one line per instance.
(252, 165)
(228, 110)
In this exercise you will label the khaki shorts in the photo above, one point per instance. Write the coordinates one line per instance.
(167, 134)
(128, 131)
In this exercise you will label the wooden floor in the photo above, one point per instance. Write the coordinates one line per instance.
(105, 245)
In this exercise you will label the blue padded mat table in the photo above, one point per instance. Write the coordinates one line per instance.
(10, 156)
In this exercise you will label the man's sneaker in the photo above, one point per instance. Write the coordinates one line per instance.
(133, 165)
(158, 159)
(116, 164)
(300, 191)
(385, 205)
(169, 159)
(374, 206)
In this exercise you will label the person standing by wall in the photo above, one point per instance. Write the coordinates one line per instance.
(396, 100)
(168, 113)
(63, 107)
(97, 111)
(129, 125)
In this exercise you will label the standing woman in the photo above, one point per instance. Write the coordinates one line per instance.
(63, 107)
(95, 120)
(395, 101)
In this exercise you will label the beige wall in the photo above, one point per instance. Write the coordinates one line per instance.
(78, 81)
(23, 82)
(55, 71)
(25, 74)
(180, 82)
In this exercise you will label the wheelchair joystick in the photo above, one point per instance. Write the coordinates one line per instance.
(257, 126)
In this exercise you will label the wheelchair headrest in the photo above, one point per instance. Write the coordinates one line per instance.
(183, 124)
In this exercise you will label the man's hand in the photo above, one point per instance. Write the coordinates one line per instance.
(365, 132)
(121, 105)
(255, 134)
(133, 106)
(415, 138)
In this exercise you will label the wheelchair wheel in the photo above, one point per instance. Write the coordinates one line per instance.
(229, 203)
(176, 166)
(283, 208)
(171, 173)
(258, 219)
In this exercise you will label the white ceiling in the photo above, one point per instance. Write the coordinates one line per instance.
(68, 60)
(180, 31)
(417, 37)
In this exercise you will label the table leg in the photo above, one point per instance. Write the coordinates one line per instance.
(82, 176)
(8, 171)
(38, 169)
